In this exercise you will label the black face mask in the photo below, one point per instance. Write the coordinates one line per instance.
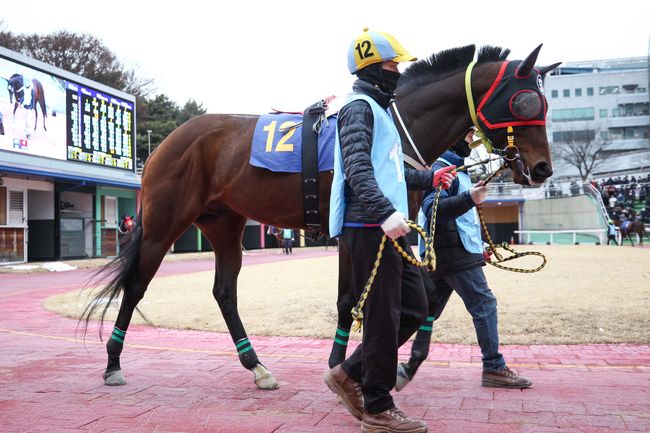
(461, 148)
(376, 75)
(390, 80)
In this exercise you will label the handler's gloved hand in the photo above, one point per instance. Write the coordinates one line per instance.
(487, 255)
(478, 192)
(444, 176)
(395, 226)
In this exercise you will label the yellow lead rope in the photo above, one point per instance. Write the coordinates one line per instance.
(429, 261)
(430, 256)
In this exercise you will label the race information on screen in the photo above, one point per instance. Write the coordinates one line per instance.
(99, 128)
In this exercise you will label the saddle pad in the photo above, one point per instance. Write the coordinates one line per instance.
(277, 147)
(625, 225)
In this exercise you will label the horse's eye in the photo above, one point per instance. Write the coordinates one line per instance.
(525, 105)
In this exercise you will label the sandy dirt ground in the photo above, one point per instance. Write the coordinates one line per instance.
(585, 294)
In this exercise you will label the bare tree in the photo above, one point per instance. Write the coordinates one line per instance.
(584, 150)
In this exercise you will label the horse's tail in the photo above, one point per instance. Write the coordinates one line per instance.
(123, 269)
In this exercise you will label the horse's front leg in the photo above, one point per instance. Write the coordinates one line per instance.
(225, 234)
(344, 304)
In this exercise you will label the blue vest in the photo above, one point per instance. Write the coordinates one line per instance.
(469, 228)
(387, 163)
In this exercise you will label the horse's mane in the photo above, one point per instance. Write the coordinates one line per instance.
(449, 61)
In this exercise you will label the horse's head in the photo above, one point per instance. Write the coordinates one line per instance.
(511, 117)
(437, 95)
(16, 87)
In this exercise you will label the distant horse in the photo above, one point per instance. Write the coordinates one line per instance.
(17, 87)
(628, 227)
(200, 174)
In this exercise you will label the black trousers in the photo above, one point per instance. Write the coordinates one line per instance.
(394, 310)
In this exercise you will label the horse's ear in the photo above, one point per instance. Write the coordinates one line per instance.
(526, 67)
(546, 69)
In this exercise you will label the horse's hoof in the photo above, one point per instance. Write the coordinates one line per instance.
(402, 378)
(114, 378)
(263, 378)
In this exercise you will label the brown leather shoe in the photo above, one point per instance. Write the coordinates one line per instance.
(348, 390)
(505, 378)
(391, 421)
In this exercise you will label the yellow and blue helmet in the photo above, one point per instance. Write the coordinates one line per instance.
(375, 47)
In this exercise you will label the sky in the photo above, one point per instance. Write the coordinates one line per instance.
(252, 56)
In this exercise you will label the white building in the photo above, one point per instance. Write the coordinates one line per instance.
(606, 101)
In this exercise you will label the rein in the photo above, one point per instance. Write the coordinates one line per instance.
(422, 165)
(509, 154)
(429, 261)
(493, 248)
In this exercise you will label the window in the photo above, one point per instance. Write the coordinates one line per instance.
(553, 93)
(566, 93)
(569, 114)
(630, 88)
(628, 133)
(604, 135)
(583, 136)
(603, 112)
(16, 208)
(109, 211)
(577, 92)
(609, 90)
(590, 91)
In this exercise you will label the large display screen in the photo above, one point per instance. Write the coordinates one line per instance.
(46, 115)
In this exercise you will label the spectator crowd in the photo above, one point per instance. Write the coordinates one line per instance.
(626, 198)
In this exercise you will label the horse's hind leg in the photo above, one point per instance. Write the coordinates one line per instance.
(225, 234)
(437, 297)
(41, 101)
(140, 260)
(150, 254)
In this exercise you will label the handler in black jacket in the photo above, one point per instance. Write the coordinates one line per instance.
(369, 200)
(460, 257)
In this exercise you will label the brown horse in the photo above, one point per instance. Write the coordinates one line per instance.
(17, 88)
(628, 228)
(200, 175)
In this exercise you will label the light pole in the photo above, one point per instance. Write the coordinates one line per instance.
(149, 142)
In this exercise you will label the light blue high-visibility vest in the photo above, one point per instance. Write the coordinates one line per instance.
(469, 228)
(387, 164)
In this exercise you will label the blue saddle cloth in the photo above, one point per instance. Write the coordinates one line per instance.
(625, 225)
(277, 147)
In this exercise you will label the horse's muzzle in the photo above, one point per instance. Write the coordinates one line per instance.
(541, 171)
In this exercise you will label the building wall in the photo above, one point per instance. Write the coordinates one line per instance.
(564, 213)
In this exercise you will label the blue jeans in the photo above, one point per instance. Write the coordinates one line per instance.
(473, 289)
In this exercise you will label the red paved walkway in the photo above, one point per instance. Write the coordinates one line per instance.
(185, 381)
